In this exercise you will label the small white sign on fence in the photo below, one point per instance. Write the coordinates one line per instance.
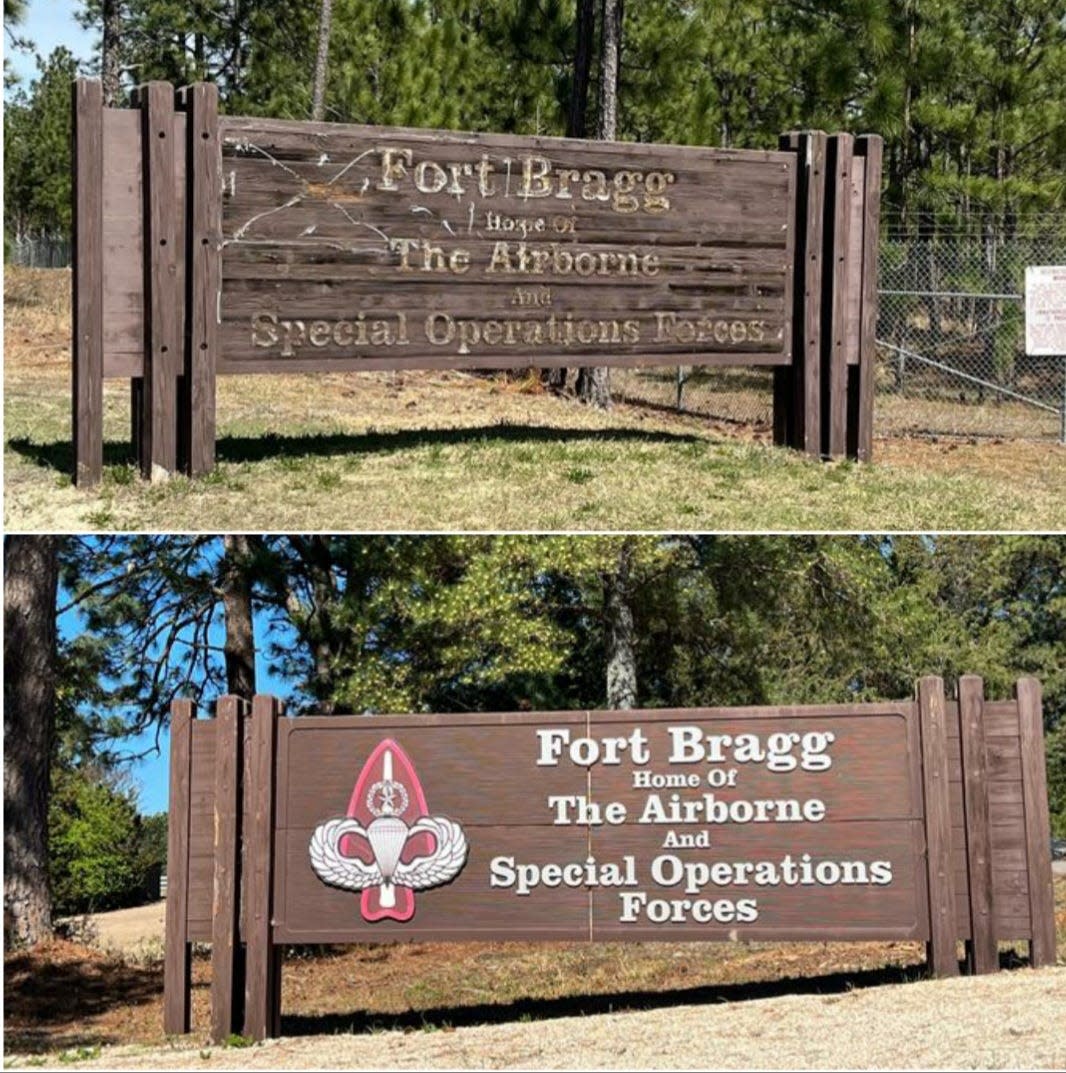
(1045, 310)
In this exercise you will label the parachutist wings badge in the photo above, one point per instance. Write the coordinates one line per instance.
(388, 846)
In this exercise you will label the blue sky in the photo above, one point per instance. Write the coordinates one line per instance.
(150, 773)
(48, 24)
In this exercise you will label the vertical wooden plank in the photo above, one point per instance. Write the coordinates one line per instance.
(835, 295)
(136, 454)
(203, 272)
(176, 965)
(261, 987)
(803, 427)
(1037, 822)
(869, 150)
(981, 949)
(88, 282)
(162, 330)
(785, 375)
(941, 953)
(225, 1000)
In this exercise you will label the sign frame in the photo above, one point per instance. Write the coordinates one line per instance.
(158, 253)
(969, 824)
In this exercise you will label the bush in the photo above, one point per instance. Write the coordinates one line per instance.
(102, 854)
(1055, 750)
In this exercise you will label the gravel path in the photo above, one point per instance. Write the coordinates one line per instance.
(1006, 1021)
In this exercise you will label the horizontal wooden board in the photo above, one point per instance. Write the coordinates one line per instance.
(371, 247)
(874, 785)
(897, 909)
(306, 910)
(526, 788)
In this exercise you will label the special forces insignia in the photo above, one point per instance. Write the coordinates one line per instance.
(388, 846)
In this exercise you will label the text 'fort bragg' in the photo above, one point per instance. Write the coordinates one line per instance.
(725, 758)
(530, 251)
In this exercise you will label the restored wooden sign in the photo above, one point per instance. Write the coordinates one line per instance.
(208, 245)
(911, 820)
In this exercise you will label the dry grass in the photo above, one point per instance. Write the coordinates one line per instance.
(66, 1000)
(428, 451)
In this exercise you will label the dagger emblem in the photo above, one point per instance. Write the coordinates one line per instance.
(388, 846)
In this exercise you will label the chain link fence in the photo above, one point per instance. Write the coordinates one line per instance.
(38, 251)
(950, 334)
(951, 342)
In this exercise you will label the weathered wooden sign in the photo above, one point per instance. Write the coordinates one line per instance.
(921, 820)
(207, 245)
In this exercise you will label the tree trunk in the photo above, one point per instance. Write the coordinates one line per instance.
(577, 115)
(316, 627)
(318, 102)
(31, 574)
(237, 605)
(110, 57)
(610, 47)
(585, 26)
(594, 383)
(621, 632)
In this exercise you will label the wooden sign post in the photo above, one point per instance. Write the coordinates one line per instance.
(208, 245)
(913, 820)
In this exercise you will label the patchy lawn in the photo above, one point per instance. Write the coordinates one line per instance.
(448, 451)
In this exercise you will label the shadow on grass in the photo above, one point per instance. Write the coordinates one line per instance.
(59, 455)
(539, 1009)
(49, 1004)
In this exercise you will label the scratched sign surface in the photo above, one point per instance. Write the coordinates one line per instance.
(367, 247)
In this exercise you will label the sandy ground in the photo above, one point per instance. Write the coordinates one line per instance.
(125, 930)
(1006, 1021)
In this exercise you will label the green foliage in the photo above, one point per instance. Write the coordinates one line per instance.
(37, 150)
(1056, 778)
(93, 841)
(967, 95)
(393, 623)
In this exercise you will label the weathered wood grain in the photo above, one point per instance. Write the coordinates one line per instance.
(177, 979)
(869, 150)
(312, 215)
(162, 286)
(87, 197)
(838, 282)
(123, 195)
(800, 394)
(982, 949)
(1037, 822)
(942, 956)
(203, 275)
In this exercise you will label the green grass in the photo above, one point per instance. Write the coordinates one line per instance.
(432, 451)
(560, 467)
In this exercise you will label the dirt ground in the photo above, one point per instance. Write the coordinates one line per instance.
(565, 1005)
(1012, 1020)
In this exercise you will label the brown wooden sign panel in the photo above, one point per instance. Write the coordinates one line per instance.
(788, 805)
(374, 247)
(208, 244)
(903, 820)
